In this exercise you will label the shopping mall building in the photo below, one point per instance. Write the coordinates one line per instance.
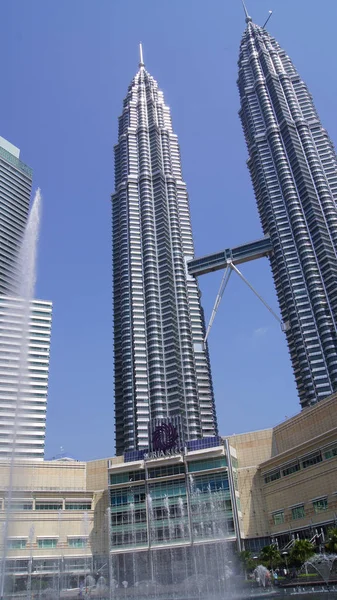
(142, 516)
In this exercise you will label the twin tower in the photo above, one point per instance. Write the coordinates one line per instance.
(162, 368)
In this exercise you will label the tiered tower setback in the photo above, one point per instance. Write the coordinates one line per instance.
(293, 167)
(161, 364)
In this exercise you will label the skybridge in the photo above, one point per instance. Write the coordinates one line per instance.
(228, 260)
(237, 255)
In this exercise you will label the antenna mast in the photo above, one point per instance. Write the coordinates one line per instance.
(141, 59)
(270, 14)
(248, 18)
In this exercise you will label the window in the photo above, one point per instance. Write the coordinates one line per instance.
(122, 496)
(80, 542)
(235, 463)
(311, 459)
(272, 476)
(125, 477)
(203, 465)
(298, 512)
(166, 471)
(16, 544)
(78, 505)
(278, 517)
(330, 453)
(47, 543)
(48, 506)
(320, 505)
(213, 482)
(129, 538)
(171, 489)
(20, 505)
(289, 469)
(120, 518)
(235, 479)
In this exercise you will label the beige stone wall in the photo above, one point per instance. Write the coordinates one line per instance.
(252, 448)
(58, 481)
(315, 431)
(302, 488)
(265, 451)
(33, 525)
(312, 429)
(100, 529)
(97, 474)
(48, 475)
(308, 424)
(55, 482)
(97, 479)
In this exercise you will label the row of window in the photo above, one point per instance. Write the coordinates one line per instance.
(307, 461)
(208, 529)
(168, 470)
(298, 512)
(202, 484)
(28, 505)
(21, 543)
(211, 463)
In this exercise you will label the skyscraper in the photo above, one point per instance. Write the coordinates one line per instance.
(161, 364)
(23, 424)
(24, 356)
(15, 190)
(293, 167)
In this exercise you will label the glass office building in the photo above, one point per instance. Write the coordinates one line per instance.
(24, 355)
(161, 363)
(15, 190)
(293, 167)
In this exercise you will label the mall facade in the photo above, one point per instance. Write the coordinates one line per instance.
(123, 518)
(170, 508)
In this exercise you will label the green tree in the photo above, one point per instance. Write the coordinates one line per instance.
(246, 560)
(300, 552)
(270, 556)
(331, 544)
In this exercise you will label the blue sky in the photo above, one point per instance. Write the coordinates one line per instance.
(65, 68)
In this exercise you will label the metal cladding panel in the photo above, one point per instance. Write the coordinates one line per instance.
(209, 442)
(134, 455)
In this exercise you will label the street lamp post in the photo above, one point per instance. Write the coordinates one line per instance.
(285, 554)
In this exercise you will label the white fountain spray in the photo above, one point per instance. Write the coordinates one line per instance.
(25, 268)
(27, 256)
(181, 510)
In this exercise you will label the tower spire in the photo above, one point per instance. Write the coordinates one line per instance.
(141, 60)
(248, 18)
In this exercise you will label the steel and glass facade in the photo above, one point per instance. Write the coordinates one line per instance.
(161, 364)
(293, 167)
(15, 190)
(174, 502)
(23, 379)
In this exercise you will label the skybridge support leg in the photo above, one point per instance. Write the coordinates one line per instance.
(257, 295)
(228, 271)
(223, 285)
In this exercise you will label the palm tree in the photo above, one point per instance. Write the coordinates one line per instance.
(247, 561)
(331, 545)
(270, 556)
(300, 552)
